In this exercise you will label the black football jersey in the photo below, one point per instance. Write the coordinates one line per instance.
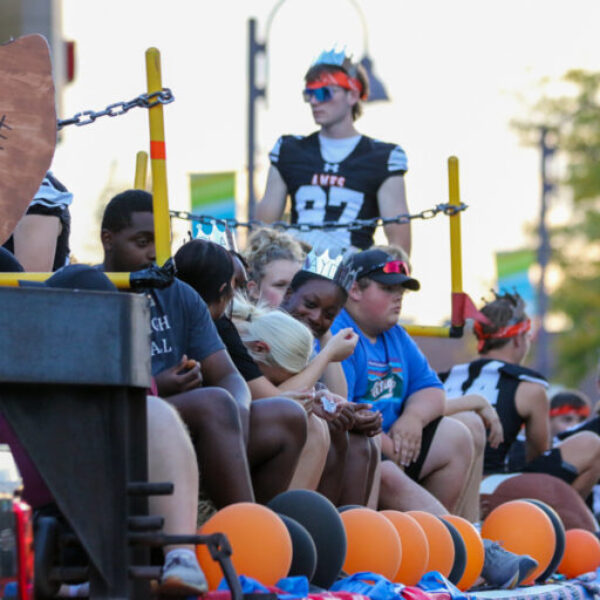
(497, 382)
(340, 192)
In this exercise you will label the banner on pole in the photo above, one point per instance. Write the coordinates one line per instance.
(212, 194)
(513, 275)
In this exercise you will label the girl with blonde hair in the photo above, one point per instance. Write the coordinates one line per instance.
(282, 348)
(274, 257)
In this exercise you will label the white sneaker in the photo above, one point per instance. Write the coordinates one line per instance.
(182, 575)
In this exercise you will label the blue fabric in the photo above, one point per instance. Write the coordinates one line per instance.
(373, 585)
(296, 587)
(249, 586)
(434, 581)
(387, 372)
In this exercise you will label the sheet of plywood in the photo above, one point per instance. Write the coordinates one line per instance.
(27, 125)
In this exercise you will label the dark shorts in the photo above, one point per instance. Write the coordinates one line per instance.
(551, 463)
(414, 469)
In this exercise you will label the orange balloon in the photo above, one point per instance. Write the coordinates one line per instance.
(582, 553)
(441, 546)
(415, 555)
(261, 543)
(523, 528)
(475, 551)
(373, 543)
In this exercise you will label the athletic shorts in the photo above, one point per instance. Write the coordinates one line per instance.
(414, 469)
(551, 463)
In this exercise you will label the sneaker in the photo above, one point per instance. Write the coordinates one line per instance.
(526, 566)
(181, 575)
(503, 569)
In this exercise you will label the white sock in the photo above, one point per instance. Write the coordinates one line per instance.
(182, 552)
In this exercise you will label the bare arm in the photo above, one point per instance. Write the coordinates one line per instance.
(391, 199)
(487, 413)
(532, 404)
(271, 207)
(35, 242)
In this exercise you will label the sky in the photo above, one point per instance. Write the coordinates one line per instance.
(457, 74)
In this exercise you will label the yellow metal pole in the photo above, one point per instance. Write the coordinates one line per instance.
(162, 225)
(427, 330)
(141, 170)
(121, 280)
(455, 239)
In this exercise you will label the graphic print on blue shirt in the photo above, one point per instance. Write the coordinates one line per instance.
(385, 389)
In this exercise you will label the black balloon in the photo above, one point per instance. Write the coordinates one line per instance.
(322, 521)
(559, 532)
(460, 554)
(304, 551)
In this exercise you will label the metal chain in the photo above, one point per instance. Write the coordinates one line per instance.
(116, 109)
(430, 213)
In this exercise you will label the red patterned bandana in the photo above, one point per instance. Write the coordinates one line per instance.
(502, 333)
(339, 78)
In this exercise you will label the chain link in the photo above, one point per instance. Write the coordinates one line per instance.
(117, 109)
(430, 213)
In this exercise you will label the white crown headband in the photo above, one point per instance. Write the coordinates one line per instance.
(331, 267)
(217, 231)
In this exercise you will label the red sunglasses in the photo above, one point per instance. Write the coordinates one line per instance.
(393, 266)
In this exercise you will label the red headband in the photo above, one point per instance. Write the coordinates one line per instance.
(566, 409)
(502, 333)
(337, 78)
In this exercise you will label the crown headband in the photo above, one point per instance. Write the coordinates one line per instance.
(344, 62)
(331, 267)
(216, 231)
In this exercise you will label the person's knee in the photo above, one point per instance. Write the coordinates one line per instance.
(454, 440)
(582, 450)
(359, 448)
(161, 416)
(472, 421)
(283, 415)
(339, 441)
(210, 407)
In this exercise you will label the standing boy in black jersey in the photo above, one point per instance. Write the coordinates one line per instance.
(337, 174)
(519, 396)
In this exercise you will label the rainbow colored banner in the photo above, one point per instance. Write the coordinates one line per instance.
(512, 270)
(212, 194)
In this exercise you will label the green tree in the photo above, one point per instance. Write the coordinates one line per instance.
(574, 121)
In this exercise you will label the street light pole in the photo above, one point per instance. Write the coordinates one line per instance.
(543, 256)
(254, 92)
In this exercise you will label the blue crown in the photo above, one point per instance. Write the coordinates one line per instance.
(331, 57)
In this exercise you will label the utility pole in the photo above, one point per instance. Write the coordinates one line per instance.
(542, 358)
(254, 92)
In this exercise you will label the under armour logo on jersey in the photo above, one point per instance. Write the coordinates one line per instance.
(331, 167)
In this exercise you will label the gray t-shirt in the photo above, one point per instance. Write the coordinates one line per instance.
(181, 324)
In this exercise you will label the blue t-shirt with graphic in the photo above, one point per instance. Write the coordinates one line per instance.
(387, 372)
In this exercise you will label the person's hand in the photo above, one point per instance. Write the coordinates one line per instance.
(180, 378)
(492, 422)
(367, 421)
(304, 397)
(341, 345)
(406, 434)
(334, 409)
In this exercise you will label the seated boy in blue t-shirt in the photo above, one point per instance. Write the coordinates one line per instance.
(388, 371)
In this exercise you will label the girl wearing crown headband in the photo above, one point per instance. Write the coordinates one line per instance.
(337, 174)
(519, 396)
(316, 295)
